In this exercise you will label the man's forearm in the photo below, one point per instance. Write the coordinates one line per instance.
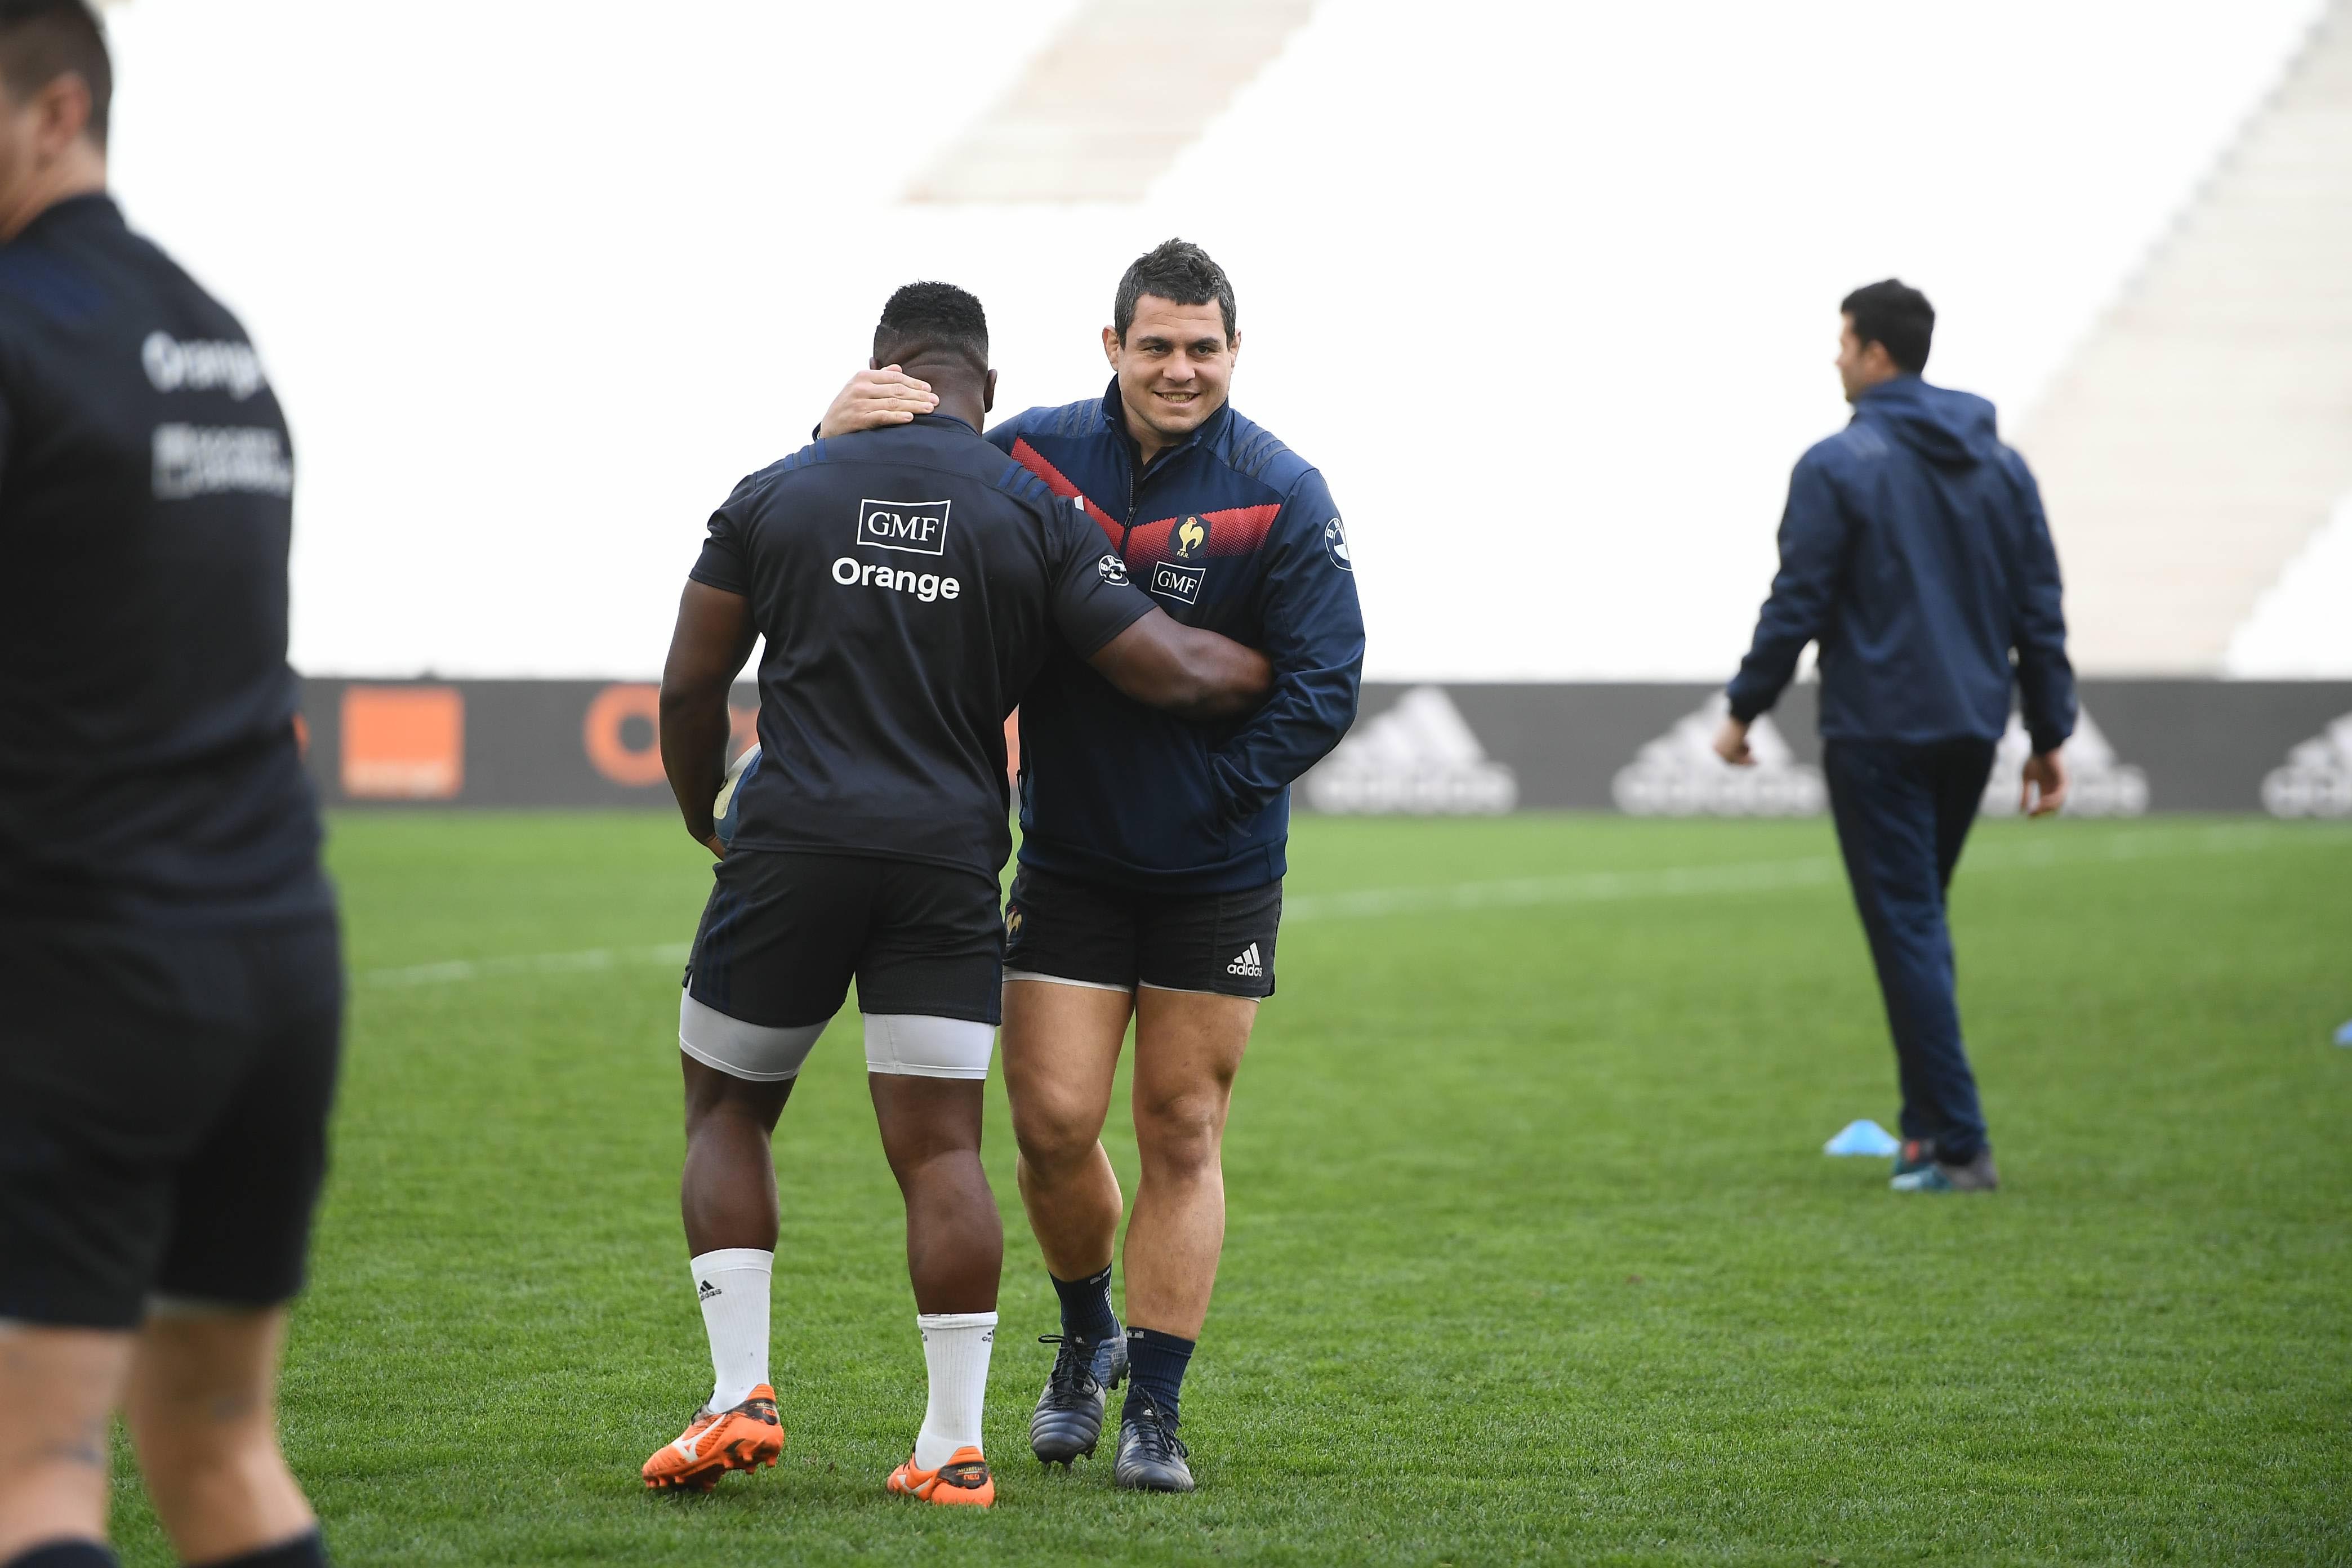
(694, 730)
(1310, 714)
(1763, 674)
(1226, 677)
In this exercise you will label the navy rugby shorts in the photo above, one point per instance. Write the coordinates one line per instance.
(784, 932)
(164, 1101)
(1116, 939)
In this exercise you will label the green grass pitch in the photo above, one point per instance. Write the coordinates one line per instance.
(1533, 1253)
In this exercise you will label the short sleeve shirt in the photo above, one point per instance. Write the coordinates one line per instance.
(150, 765)
(909, 584)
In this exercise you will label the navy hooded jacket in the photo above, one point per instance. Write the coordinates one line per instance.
(1231, 532)
(1914, 551)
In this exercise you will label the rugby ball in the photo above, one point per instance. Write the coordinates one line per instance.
(723, 812)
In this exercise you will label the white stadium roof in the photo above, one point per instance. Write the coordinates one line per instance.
(1549, 292)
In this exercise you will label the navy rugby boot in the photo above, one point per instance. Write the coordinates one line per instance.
(1069, 1415)
(1150, 1455)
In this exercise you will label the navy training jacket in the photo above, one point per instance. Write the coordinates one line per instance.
(1914, 551)
(1230, 531)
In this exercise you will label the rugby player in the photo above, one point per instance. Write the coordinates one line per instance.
(171, 976)
(1152, 846)
(910, 584)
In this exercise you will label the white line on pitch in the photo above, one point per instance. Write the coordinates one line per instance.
(1521, 892)
(591, 959)
(1761, 876)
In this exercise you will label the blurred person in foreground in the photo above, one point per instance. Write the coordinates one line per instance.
(171, 973)
(910, 584)
(1914, 552)
(1152, 847)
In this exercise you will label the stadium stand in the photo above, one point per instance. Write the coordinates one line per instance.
(2197, 442)
(1068, 133)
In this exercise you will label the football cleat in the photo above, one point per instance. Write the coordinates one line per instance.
(1069, 1415)
(1916, 1154)
(962, 1482)
(1151, 1457)
(1977, 1176)
(715, 1442)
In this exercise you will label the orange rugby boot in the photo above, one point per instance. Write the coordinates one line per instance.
(964, 1481)
(742, 1439)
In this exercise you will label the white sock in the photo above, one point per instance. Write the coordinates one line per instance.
(733, 1285)
(955, 1348)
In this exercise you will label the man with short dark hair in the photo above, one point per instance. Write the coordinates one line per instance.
(1914, 552)
(910, 584)
(171, 976)
(1152, 847)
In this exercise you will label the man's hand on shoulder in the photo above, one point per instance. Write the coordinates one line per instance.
(1731, 744)
(2043, 790)
(874, 398)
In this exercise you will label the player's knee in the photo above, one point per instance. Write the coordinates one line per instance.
(1180, 1131)
(1056, 1139)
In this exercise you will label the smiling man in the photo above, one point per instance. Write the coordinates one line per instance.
(1152, 847)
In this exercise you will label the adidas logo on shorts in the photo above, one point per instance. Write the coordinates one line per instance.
(1248, 964)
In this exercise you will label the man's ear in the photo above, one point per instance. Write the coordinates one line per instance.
(64, 114)
(1110, 346)
(1237, 346)
(988, 392)
(873, 364)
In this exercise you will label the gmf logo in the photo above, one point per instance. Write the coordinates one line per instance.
(918, 527)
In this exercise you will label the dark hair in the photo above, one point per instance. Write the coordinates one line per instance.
(929, 320)
(1177, 271)
(1897, 316)
(41, 40)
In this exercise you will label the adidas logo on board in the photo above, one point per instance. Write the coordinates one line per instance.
(1679, 774)
(1418, 759)
(2097, 783)
(1248, 964)
(2317, 778)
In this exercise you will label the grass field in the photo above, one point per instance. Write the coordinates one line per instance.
(1533, 1252)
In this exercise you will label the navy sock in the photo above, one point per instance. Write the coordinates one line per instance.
(1085, 1306)
(1155, 1366)
(66, 1554)
(303, 1551)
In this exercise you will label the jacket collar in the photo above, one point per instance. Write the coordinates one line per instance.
(90, 206)
(1212, 430)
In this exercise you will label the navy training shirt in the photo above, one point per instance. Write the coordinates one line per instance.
(909, 582)
(150, 771)
(1229, 530)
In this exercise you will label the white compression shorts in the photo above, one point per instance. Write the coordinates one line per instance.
(901, 1044)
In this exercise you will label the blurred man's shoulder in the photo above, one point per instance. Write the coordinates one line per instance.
(1857, 445)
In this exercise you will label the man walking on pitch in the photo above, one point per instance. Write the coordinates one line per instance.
(171, 975)
(1153, 849)
(909, 584)
(1914, 550)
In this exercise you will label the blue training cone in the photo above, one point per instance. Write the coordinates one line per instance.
(2344, 1036)
(1865, 1138)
